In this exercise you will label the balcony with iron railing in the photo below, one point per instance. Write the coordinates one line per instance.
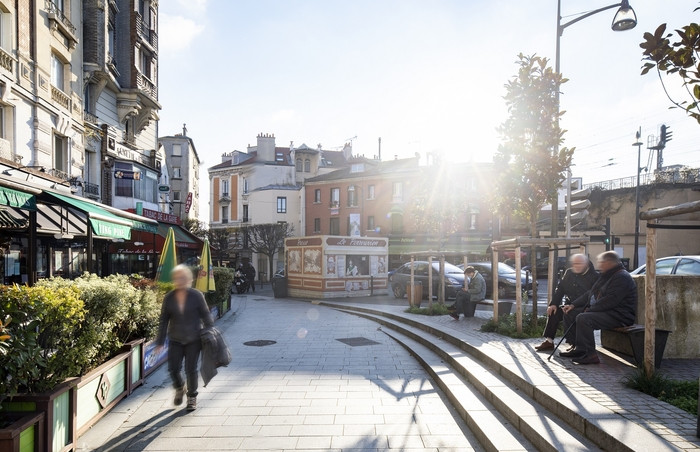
(59, 174)
(59, 21)
(91, 190)
(148, 35)
(146, 86)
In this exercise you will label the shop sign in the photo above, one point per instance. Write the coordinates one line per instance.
(353, 241)
(312, 241)
(164, 188)
(188, 203)
(161, 217)
(131, 175)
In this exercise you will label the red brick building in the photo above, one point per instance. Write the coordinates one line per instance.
(371, 198)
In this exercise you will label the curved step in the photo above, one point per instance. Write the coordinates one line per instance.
(594, 422)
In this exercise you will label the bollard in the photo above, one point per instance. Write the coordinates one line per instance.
(371, 285)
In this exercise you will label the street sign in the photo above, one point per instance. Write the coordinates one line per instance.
(188, 203)
(133, 175)
(164, 188)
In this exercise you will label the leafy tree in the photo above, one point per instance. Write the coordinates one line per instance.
(220, 238)
(196, 227)
(268, 239)
(529, 163)
(681, 57)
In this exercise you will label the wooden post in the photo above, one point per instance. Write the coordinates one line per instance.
(466, 261)
(409, 293)
(430, 281)
(518, 291)
(650, 301)
(494, 282)
(441, 294)
(550, 276)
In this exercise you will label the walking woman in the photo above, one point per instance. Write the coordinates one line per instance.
(183, 313)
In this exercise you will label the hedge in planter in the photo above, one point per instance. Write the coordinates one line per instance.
(223, 278)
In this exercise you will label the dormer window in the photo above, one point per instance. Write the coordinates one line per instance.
(357, 167)
(279, 157)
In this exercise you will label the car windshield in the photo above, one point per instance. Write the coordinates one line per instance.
(505, 268)
(449, 268)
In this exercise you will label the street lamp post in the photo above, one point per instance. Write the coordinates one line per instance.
(636, 199)
(625, 19)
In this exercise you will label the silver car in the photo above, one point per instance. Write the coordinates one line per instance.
(674, 265)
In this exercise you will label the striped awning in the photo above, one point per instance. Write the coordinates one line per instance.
(9, 221)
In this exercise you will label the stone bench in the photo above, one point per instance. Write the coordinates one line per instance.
(629, 340)
(504, 307)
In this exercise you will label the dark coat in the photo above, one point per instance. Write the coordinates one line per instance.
(215, 354)
(183, 327)
(615, 293)
(574, 285)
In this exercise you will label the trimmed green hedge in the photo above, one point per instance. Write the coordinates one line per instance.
(61, 328)
(223, 279)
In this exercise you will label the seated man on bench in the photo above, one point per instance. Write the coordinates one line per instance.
(611, 303)
(475, 292)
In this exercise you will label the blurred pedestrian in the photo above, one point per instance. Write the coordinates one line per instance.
(249, 272)
(473, 292)
(183, 313)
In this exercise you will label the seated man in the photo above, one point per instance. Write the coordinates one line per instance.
(612, 303)
(475, 291)
(576, 281)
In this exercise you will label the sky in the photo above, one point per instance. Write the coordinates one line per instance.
(425, 76)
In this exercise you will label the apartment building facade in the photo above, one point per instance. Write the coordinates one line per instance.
(182, 163)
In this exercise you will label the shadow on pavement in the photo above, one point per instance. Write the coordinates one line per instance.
(139, 436)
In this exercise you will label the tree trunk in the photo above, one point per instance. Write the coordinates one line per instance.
(270, 258)
(533, 268)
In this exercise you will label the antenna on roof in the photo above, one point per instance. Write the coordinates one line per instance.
(379, 156)
(184, 129)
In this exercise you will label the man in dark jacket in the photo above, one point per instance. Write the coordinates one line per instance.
(576, 281)
(476, 291)
(249, 272)
(611, 303)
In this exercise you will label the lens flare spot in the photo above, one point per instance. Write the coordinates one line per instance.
(313, 314)
(301, 334)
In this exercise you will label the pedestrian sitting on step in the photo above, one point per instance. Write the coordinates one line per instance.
(577, 280)
(475, 291)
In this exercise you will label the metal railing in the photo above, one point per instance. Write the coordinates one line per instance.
(58, 174)
(147, 33)
(53, 9)
(145, 85)
(674, 176)
(91, 189)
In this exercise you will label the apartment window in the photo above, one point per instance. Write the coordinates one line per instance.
(5, 30)
(59, 5)
(317, 196)
(110, 36)
(57, 72)
(279, 157)
(224, 214)
(245, 186)
(281, 204)
(357, 167)
(245, 213)
(177, 150)
(335, 197)
(397, 223)
(370, 192)
(300, 166)
(123, 187)
(317, 225)
(352, 196)
(370, 223)
(334, 226)
(307, 166)
(176, 196)
(224, 187)
(397, 191)
(146, 63)
(177, 174)
(60, 153)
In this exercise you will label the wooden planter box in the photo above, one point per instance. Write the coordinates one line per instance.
(25, 434)
(75, 405)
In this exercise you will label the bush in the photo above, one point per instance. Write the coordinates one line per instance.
(435, 309)
(507, 326)
(223, 279)
(45, 343)
(680, 393)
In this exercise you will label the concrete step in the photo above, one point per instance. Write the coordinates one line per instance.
(592, 421)
(541, 428)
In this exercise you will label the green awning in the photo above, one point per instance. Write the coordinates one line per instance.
(9, 221)
(16, 198)
(104, 223)
(146, 227)
(181, 237)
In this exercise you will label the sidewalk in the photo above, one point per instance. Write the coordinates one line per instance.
(601, 383)
(308, 391)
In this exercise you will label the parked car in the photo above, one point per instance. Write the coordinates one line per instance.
(674, 265)
(454, 278)
(506, 278)
(542, 266)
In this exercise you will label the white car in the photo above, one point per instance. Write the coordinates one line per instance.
(674, 265)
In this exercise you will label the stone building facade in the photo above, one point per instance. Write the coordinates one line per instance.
(182, 163)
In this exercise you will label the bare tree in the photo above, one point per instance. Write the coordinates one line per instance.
(196, 227)
(268, 239)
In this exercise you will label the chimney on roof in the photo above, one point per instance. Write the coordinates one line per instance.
(184, 129)
(266, 147)
(347, 150)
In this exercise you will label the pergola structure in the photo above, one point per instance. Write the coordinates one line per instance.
(517, 244)
(651, 217)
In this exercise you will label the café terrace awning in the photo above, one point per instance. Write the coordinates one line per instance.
(182, 238)
(104, 223)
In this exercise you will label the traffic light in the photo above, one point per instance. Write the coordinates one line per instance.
(579, 204)
(666, 134)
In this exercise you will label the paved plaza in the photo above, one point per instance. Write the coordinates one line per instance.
(334, 381)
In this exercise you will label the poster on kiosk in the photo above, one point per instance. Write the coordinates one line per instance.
(336, 266)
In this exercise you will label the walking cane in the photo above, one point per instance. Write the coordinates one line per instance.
(561, 340)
